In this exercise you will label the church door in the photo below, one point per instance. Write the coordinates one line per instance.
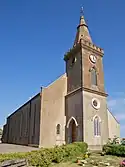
(73, 131)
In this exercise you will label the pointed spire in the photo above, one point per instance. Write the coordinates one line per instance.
(82, 30)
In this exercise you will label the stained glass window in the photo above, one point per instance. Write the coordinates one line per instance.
(97, 130)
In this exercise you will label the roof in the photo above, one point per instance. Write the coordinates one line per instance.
(113, 116)
(35, 96)
(24, 105)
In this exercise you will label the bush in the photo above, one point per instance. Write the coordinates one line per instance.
(123, 141)
(40, 158)
(45, 156)
(10, 156)
(113, 149)
(70, 151)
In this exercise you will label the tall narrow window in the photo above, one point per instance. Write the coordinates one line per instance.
(97, 130)
(93, 77)
(58, 129)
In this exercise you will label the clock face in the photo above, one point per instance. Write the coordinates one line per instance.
(93, 58)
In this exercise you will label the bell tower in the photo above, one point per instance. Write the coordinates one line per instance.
(86, 98)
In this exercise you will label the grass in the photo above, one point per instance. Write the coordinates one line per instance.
(94, 160)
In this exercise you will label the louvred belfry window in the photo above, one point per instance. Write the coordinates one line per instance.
(93, 77)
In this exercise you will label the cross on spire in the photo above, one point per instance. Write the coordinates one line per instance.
(82, 11)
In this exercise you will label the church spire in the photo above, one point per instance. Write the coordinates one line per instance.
(82, 30)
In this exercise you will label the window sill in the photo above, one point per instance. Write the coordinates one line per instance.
(95, 87)
(97, 136)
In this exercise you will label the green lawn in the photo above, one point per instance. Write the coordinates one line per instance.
(94, 160)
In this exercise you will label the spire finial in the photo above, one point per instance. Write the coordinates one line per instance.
(82, 11)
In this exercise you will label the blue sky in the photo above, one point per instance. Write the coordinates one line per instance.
(34, 35)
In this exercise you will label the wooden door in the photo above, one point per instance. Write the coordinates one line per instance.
(73, 131)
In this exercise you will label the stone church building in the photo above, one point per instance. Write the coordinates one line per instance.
(72, 108)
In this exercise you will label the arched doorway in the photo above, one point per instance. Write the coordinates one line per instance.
(73, 127)
(72, 130)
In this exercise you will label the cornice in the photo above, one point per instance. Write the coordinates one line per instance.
(90, 46)
(72, 51)
(86, 45)
(74, 91)
(87, 90)
(95, 92)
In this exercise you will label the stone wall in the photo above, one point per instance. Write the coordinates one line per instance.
(89, 113)
(14, 163)
(114, 126)
(53, 113)
(23, 125)
(74, 109)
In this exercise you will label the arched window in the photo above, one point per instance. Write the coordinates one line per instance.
(93, 76)
(58, 129)
(97, 129)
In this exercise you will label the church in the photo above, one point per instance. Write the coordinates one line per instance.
(72, 108)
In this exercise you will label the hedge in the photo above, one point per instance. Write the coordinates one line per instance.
(114, 149)
(46, 156)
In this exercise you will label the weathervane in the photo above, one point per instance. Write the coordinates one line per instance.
(82, 11)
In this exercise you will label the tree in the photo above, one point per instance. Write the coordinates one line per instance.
(1, 131)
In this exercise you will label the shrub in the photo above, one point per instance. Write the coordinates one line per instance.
(42, 157)
(10, 156)
(115, 140)
(45, 156)
(66, 152)
(82, 146)
(110, 141)
(113, 149)
(123, 141)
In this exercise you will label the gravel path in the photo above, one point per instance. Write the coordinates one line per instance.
(11, 148)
